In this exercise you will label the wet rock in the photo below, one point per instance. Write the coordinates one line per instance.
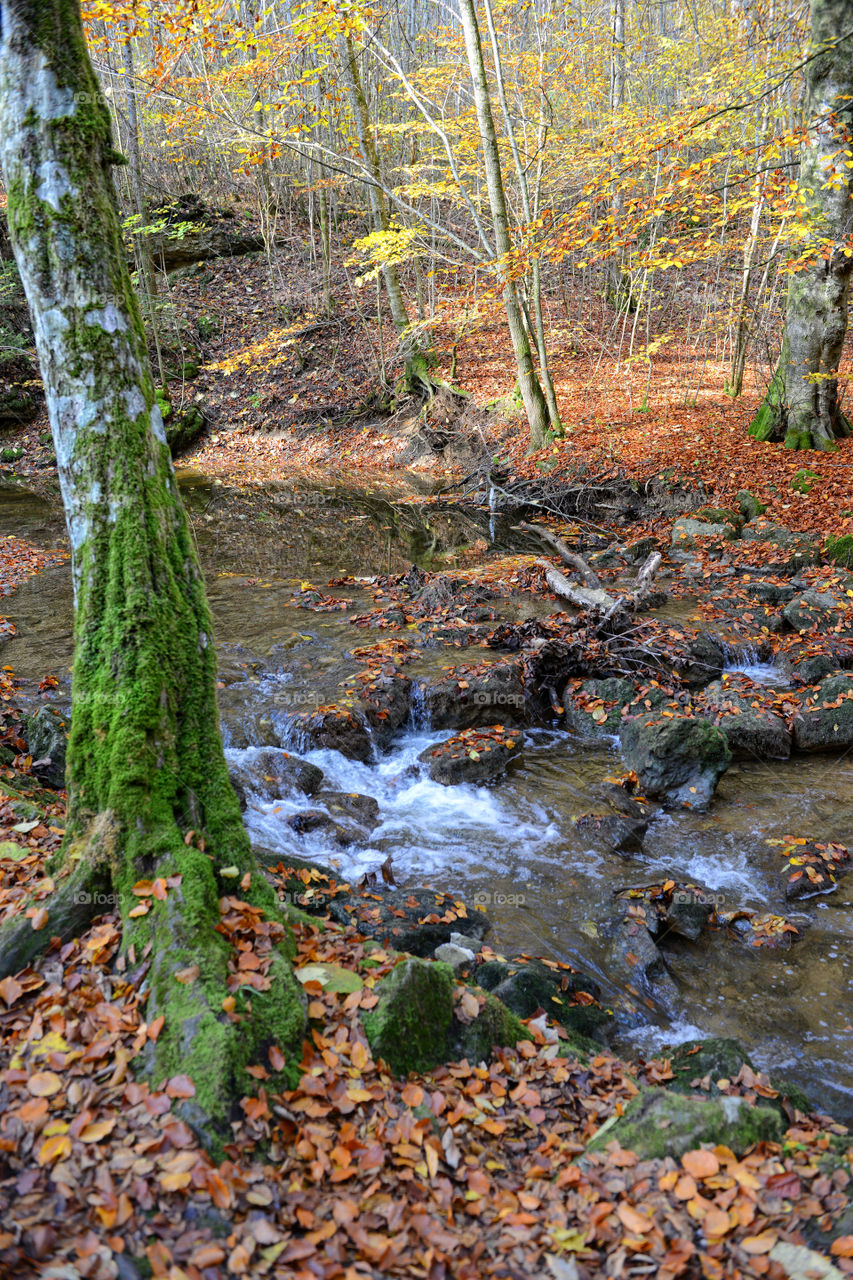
(46, 733)
(657, 1123)
(680, 758)
(669, 909)
(744, 714)
(634, 961)
(612, 832)
(423, 1019)
(790, 552)
(272, 774)
(475, 755)
(337, 728)
(812, 611)
(594, 709)
(798, 666)
(639, 550)
(688, 532)
(702, 662)
(384, 704)
(827, 724)
(813, 867)
(768, 592)
(346, 818)
(526, 986)
(466, 699)
(413, 920)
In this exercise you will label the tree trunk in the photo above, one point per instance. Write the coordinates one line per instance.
(415, 358)
(531, 391)
(802, 406)
(148, 789)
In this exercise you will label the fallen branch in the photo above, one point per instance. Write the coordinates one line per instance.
(593, 599)
(571, 558)
(643, 585)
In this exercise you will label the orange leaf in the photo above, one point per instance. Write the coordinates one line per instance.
(638, 1223)
(700, 1164)
(39, 918)
(44, 1084)
(180, 1087)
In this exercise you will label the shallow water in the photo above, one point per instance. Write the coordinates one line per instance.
(512, 847)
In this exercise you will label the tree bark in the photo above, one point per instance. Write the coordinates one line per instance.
(802, 406)
(531, 391)
(148, 789)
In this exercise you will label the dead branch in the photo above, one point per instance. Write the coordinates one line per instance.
(571, 558)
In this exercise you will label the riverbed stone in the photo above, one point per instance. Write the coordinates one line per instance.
(337, 728)
(658, 1123)
(594, 708)
(702, 660)
(636, 963)
(788, 552)
(454, 955)
(384, 704)
(813, 611)
(423, 1019)
(415, 920)
(746, 717)
(677, 757)
(475, 756)
(612, 832)
(345, 817)
(825, 719)
(46, 733)
(464, 699)
(527, 985)
(272, 774)
(688, 532)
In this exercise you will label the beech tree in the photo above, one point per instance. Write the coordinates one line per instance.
(802, 406)
(149, 798)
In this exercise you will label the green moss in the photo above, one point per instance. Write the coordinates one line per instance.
(721, 515)
(411, 1024)
(657, 1124)
(840, 550)
(414, 1027)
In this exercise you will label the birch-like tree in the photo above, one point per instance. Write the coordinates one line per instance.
(149, 797)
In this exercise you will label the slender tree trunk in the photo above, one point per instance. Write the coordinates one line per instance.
(531, 391)
(802, 406)
(148, 789)
(411, 348)
(618, 281)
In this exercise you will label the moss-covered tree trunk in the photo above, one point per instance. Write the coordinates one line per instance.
(148, 789)
(802, 406)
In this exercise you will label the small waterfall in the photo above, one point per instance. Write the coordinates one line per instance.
(750, 660)
(419, 716)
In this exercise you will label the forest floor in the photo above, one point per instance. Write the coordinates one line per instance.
(468, 1171)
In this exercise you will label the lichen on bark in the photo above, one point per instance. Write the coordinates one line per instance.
(148, 785)
(802, 406)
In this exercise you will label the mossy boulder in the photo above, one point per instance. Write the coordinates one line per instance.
(825, 720)
(688, 531)
(840, 550)
(660, 1123)
(422, 1021)
(722, 515)
(595, 708)
(525, 986)
(679, 758)
(749, 505)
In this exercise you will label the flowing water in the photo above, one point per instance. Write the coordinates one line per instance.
(511, 847)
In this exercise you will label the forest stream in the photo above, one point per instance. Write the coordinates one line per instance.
(511, 846)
